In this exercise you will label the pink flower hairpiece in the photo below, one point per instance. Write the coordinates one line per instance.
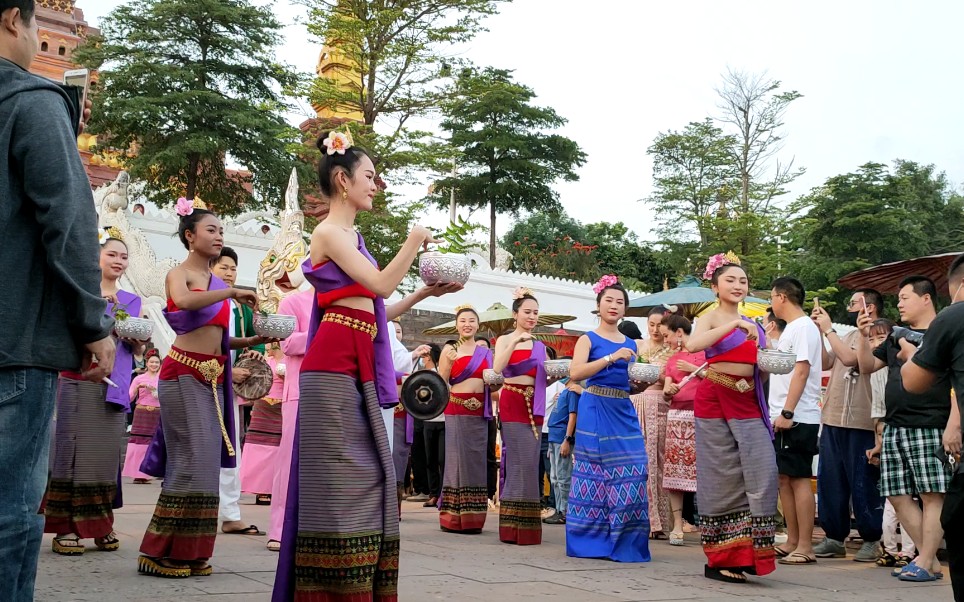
(184, 207)
(717, 261)
(336, 142)
(521, 292)
(604, 283)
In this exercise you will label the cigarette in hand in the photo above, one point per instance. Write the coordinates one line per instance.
(110, 382)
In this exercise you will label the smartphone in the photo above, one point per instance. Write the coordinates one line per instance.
(863, 302)
(816, 303)
(80, 79)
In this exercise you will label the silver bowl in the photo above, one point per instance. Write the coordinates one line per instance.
(444, 268)
(492, 378)
(643, 373)
(139, 329)
(557, 368)
(776, 362)
(274, 326)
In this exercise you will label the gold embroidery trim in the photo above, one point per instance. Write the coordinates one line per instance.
(210, 370)
(471, 404)
(528, 393)
(355, 323)
(608, 392)
(741, 385)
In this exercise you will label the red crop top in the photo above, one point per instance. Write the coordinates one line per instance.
(222, 319)
(354, 289)
(462, 362)
(745, 353)
(521, 355)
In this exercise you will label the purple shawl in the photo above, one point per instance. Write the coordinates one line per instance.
(123, 358)
(481, 355)
(734, 340)
(329, 277)
(183, 321)
(536, 360)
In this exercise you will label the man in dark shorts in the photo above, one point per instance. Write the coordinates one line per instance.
(795, 413)
(942, 353)
(913, 428)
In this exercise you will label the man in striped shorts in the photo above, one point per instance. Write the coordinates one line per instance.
(913, 429)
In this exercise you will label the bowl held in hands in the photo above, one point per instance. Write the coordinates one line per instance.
(274, 326)
(444, 268)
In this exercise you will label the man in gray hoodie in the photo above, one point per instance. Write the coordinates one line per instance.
(52, 316)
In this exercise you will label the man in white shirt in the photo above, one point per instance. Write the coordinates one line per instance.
(795, 413)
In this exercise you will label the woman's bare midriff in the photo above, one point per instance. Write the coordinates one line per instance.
(206, 340)
(522, 381)
(359, 303)
(472, 385)
(733, 368)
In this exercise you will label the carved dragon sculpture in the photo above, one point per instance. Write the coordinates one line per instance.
(280, 271)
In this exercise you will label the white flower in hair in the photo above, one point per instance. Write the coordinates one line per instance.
(102, 236)
(336, 142)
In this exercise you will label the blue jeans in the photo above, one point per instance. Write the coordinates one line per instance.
(561, 477)
(845, 479)
(27, 397)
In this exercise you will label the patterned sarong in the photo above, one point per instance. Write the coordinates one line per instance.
(679, 469)
(464, 500)
(520, 505)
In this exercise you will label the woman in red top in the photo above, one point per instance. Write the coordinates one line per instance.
(519, 358)
(679, 389)
(736, 467)
(464, 502)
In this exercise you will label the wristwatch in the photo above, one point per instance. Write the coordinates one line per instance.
(829, 332)
(571, 439)
(787, 414)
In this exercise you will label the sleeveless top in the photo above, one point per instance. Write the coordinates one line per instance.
(222, 318)
(615, 375)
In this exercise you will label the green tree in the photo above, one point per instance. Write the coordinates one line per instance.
(543, 229)
(508, 161)
(619, 251)
(188, 87)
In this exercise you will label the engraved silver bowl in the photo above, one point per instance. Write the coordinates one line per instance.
(139, 329)
(492, 378)
(643, 373)
(557, 368)
(776, 362)
(444, 268)
(274, 326)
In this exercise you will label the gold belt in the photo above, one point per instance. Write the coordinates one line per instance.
(608, 392)
(211, 370)
(742, 385)
(471, 404)
(148, 408)
(272, 401)
(528, 393)
(355, 323)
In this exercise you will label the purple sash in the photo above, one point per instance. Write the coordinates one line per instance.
(123, 358)
(481, 355)
(536, 360)
(734, 340)
(328, 277)
(183, 321)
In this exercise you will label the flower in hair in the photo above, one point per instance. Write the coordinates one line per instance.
(521, 292)
(184, 207)
(719, 260)
(102, 236)
(604, 283)
(336, 142)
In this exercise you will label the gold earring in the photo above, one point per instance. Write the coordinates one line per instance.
(344, 194)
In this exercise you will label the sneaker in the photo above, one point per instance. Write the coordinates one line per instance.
(831, 548)
(422, 497)
(869, 552)
(556, 519)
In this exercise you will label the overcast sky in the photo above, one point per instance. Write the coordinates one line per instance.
(881, 80)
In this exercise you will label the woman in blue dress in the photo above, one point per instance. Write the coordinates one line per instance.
(608, 513)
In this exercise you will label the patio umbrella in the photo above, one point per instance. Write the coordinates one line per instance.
(886, 278)
(498, 319)
(693, 298)
(562, 342)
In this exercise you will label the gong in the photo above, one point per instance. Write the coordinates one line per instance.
(425, 395)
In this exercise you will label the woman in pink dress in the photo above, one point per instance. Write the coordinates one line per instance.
(264, 435)
(147, 414)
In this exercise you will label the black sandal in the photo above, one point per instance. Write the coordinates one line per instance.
(735, 576)
(107, 543)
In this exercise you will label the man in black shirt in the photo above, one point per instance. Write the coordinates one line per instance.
(913, 430)
(942, 354)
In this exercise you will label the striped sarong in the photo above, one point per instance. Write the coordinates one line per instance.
(608, 514)
(146, 419)
(185, 520)
(520, 502)
(464, 502)
(652, 409)
(261, 446)
(347, 543)
(736, 474)
(86, 460)
(679, 469)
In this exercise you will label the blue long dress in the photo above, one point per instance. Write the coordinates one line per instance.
(608, 513)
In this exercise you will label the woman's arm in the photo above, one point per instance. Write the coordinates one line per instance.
(581, 368)
(504, 346)
(705, 335)
(446, 361)
(186, 299)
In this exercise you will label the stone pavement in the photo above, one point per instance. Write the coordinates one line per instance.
(440, 566)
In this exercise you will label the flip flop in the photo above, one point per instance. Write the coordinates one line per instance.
(717, 575)
(249, 530)
(794, 558)
(780, 552)
(917, 574)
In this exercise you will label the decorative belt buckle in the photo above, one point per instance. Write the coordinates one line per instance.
(742, 386)
(471, 404)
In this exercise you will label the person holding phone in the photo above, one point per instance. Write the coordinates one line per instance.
(942, 355)
(53, 315)
(914, 426)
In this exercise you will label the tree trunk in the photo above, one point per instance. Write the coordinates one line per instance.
(193, 163)
(492, 235)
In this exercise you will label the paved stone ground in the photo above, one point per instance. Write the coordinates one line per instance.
(440, 566)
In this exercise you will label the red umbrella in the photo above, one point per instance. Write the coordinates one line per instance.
(886, 278)
(561, 341)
